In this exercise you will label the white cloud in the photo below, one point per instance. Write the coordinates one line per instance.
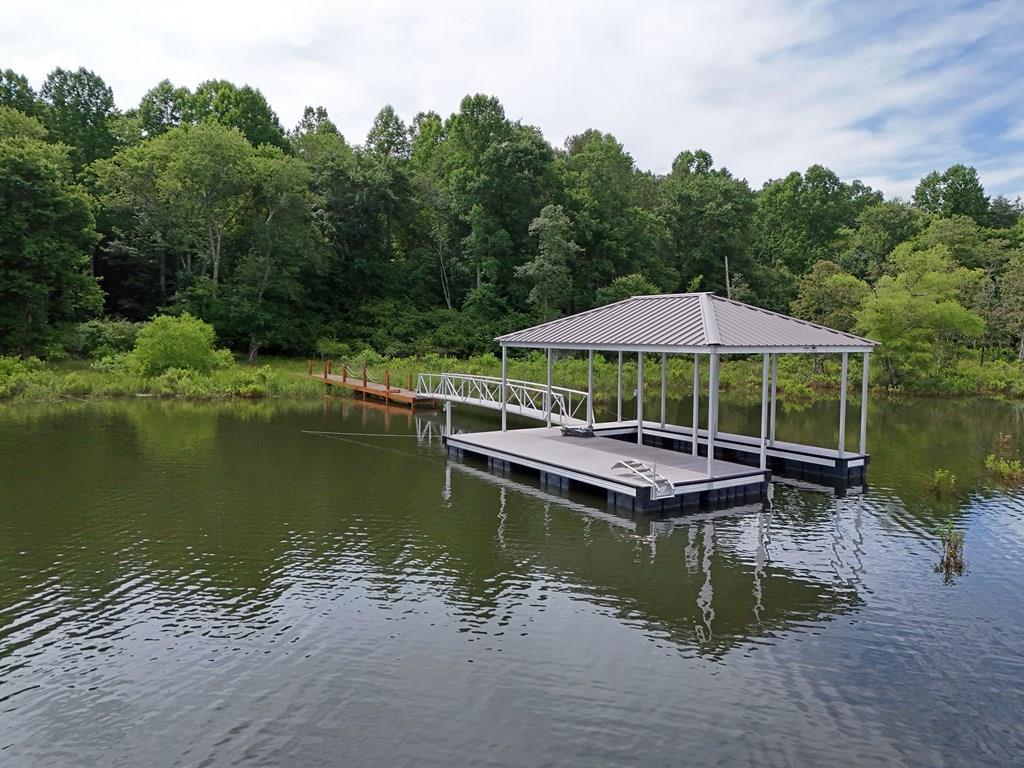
(767, 87)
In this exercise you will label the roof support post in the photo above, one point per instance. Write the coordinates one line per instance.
(712, 411)
(664, 383)
(447, 418)
(864, 405)
(504, 388)
(618, 389)
(771, 422)
(590, 389)
(842, 404)
(764, 412)
(696, 404)
(639, 398)
(547, 393)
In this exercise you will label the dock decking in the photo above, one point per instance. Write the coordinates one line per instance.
(562, 461)
(793, 459)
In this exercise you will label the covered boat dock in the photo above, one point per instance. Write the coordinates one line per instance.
(649, 463)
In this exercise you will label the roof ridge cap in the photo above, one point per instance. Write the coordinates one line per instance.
(707, 313)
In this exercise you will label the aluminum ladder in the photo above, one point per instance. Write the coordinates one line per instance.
(661, 488)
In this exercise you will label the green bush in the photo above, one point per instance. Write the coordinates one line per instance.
(183, 342)
(103, 338)
(332, 348)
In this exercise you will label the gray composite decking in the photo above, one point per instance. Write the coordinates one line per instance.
(780, 449)
(589, 461)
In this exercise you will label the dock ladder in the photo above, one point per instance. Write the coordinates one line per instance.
(661, 488)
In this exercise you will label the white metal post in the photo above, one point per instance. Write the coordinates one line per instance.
(547, 394)
(842, 405)
(864, 406)
(764, 413)
(696, 403)
(639, 398)
(618, 400)
(775, 371)
(447, 417)
(664, 382)
(712, 412)
(590, 389)
(504, 388)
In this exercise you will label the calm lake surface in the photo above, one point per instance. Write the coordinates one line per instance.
(209, 585)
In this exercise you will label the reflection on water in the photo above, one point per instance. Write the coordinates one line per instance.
(212, 584)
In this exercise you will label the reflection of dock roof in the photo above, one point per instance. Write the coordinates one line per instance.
(685, 322)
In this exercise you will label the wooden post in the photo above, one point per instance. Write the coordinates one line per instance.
(696, 404)
(410, 382)
(309, 366)
(864, 406)
(344, 372)
(387, 387)
(364, 376)
(639, 398)
(842, 404)
(325, 370)
(330, 367)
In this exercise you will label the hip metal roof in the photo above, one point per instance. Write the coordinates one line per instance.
(685, 322)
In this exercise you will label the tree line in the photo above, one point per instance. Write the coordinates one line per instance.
(438, 234)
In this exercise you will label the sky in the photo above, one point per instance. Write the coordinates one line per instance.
(879, 91)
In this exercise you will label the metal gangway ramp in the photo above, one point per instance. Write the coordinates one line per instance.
(567, 407)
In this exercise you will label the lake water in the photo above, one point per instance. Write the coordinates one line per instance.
(211, 585)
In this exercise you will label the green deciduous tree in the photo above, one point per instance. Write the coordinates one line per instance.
(864, 247)
(16, 93)
(549, 271)
(917, 314)
(79, 108)
(625, 287)
(46, 235)
(244, 108)
(799, 217)
(957, 191)
(710, 216)
(830, 296)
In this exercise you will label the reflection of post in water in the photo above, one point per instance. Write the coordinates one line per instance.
(502, 517)
(707, 593)
(760, 558)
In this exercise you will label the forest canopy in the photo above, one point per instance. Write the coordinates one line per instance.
(436, 234)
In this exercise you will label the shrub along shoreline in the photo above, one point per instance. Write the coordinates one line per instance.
(800, 378)
(175, 356)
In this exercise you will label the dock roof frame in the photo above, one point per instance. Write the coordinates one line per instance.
(693, 323)
(685, 323)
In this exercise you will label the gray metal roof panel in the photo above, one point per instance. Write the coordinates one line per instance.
(682, 320)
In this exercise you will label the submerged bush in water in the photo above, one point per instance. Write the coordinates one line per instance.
(943, 481)
(952, 562)
(1007, 470)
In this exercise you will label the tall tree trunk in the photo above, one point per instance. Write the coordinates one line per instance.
(1020, 349)
(728, 283)
(254, 350)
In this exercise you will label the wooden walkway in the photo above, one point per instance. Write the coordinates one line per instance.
(362, 385)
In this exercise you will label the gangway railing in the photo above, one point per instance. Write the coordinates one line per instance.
(526, 398)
